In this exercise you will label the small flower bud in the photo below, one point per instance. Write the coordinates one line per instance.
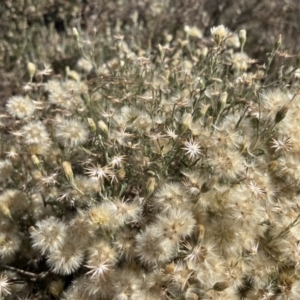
(31, 69)
(273, 165)
(75, 33)
(281, 113)
(259, 74)
(191, 295)
(121, 173)
(36, 174)
(72, 74)
(169, 268)
(32, 229)
(208, 185)
(277, 43)
(201, 84)
(182, 43)
(220, 286)
(243, 37)
(208, 121)
(56, 288)
(203, 53)
(68, 170)
(36, 161)
(204, 109)
(186, 122)
(243, 147)
(92, 124)
(161, 51)
(5, 210)
(150, 186)
(223, 99)
(103, 127)
(199, 233)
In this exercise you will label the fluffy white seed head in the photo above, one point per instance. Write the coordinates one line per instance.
(170, 196)
(10, 243)
(152, 248)
(4, 285)
(36, 137)
(71, 133)
(174, 225)
(84, 65)
(101, 259)
(48, 235)
(20, 107)
(219, 33)
(66, 259)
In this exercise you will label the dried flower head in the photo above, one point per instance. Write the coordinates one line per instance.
(20, 107)
(170, 196)
(193, 31)
(152, 248)
(35, 135)
(56, 287)
(101, 259)
(4, 285)
(84, 65)
(174, 225)
(117, 160)
(71, 133)
(10, 243)
(192, 149)
(219, 33)
(98, 172)
(66, 258)
(283, 144)
(124, 211)
(48, 235)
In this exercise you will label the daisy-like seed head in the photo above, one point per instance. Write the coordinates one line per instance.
(100, 216)
(65, 259)
(56, 287)
(81, 229)
(170, 196)
(226, 164)
(125, 243)
(84, 65)
(101, 258)
(176, 224)
(71, 133)
(20, 107)
(98, 172)
(48, 235)
(171, 133)
(35, 133)
(219, 33)
(192, 149)
(282, 145)
(152, 248)
(117, 160)
(36, 138)
(124, 211)
(77, 290)
(4, 285)
(10, 243)
(14, 200)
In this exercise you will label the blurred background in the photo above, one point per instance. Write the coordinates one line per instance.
(40, 31)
